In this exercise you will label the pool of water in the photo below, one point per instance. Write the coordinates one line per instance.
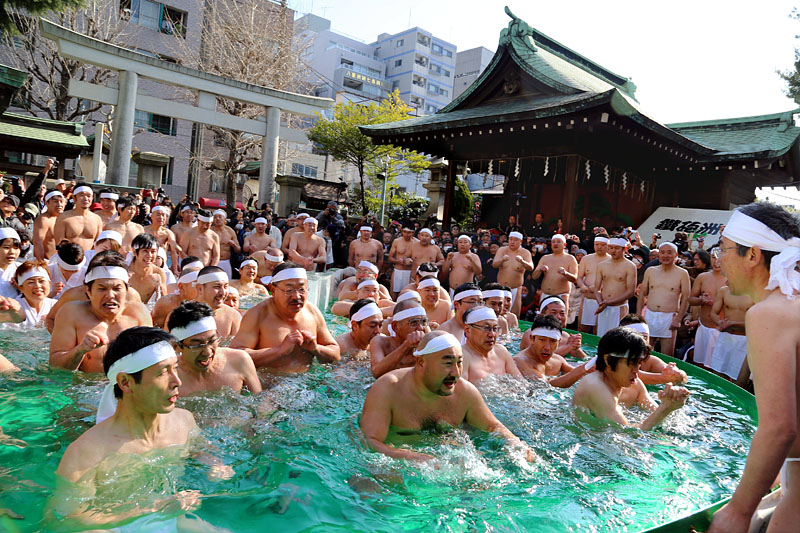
(303, 467)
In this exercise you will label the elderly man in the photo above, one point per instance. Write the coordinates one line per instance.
(228, 241)
(615, 283)
(365, 248)
(365, 270)
(83, 329)
(466, 296)
(409, 324)
(44, 240)
(124, 224)
(203, 365)
(365, 324)
(285, 332)
(267, 260)
(427, 397)
(424, 251)
(367, 290)
(540, 359)
(79, 224)
(400, 257)
(512, 262)
(159, 217)
(560, 270)
(482, 355)
(212, 289)
(307, 248)
(201, 241)
(587, 276)
(438, 311)
(260, 239)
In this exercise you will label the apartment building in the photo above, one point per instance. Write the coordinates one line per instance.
(469, 65)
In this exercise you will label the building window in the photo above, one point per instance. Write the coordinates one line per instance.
(431, 109)
(445, 72)
(133, 171)
(398, 62)
(436, 49)
(155, 123)
(154, 15)
(306, 171)
(399, 43)
(217, 181)
(448, 53)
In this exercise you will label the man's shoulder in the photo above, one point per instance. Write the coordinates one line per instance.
(235, 357)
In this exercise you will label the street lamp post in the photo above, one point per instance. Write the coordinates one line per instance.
(384, 177)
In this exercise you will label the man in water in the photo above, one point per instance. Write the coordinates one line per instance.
(540, 360)
(307, 248)
(246, 284)
(285, 332)
(365, 270)
(429, 395)
(186, 291)
(148, 279)
(569, 344)
(494, 298)
(462, 266)
(228, 242)
(665, 289)
(203, 365)
(438, 310)
(44, 241)
(512, 262)
(704, 294)
(124, 224)
(653, 371)
(424, 251)
(615, 283)
(212, 289)
(365, 324)
(759, 257)
(482, 355)
(619, 356)
(400, 257)
(560, 270)
(367, 290)
(587, 275)
(79, 225)
(137, 415)
(260, 239)
(201, 241)
(365, 248)
(409, 325)
(83, 329)
(267, 260)
(466, 296)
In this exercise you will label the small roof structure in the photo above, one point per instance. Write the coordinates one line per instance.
(40, 135)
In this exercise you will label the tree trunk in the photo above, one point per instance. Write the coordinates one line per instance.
(363, 197)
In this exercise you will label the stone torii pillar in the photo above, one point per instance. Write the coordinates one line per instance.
(119, 159)
(269, 157)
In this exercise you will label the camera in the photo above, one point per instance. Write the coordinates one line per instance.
(658, 235)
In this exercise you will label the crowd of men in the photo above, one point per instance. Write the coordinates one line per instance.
(147, 304)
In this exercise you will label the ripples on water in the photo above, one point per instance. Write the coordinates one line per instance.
(300, 465)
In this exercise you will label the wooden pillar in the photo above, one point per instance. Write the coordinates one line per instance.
(570, 188)
(449, 193)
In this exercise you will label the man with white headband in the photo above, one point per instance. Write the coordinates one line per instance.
(466, 296)
(83, 329)
(760, 248)
(587, 275)
(730, 349)
(137, 416)
(653, 371)
(540, 359)
(406, 399)
(186, 291)
(246, 284)
(614, 285)
(267, 260)
(79, 224)
(462, 266)
(307, 248)
(203, 365)
(285, 332)
(483, 356)
(108, 207)
(508, 301)
(201, 241)
(560, 270)
(149, 280)
(620, 354)
(569, 344)
(365, 270)
(212, 289)
(67, 265)
(365, 248)
(44, 240)
(513, 261)
(260, 239)
(426, 270)
(186, 221)
(424, 251)
(365, 324)
(228, 241)
(665, 291)
(159, 218)
(409, 325)
(369, 289)
(438, 310)
(9, 252)
(400, 257)
(124, 224)
(494, 298)
(287, 237)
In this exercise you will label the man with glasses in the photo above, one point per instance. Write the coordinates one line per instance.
(366, 319)
(466, 296)
(409, 325)
(482, 355)
(202, 364)
(285, 332)
(212, 289)
(540, 360)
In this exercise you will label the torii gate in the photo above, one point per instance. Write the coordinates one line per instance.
(209, 87)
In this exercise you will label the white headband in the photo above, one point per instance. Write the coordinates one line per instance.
(480, 314)
(558, 237)
(466, 294)
(588, 365)
(51, 194)
(194, 264)
(185, 208)
(274, 258)
(409, 295)
(747, 231)
(260, 220)
(190, 277)
(426, 230)
(233, 291)
(546, 332)
(368, 283)
(202, 218)
(207, 323)
(464, 238)
(66, 266)
(494, 293)
(367, 264)
(670, 245)
(162, 253)
(211, 277)
(311, 220)
(289, 273)
(619, 241)
(82, 188)
(156, 209)
(109, 195)
(639, 327)
(365, 228)
(442, 342)
(131, 363)
(429, 282)
(514, 234)
(301, 215)
(266, 280)
(32, 273)
(604, 240)
(508, 294)
(9, 233)
(547, 301)
(371, 309)
(220, 212)
(408, 313)
(248, 262)
(106, 272)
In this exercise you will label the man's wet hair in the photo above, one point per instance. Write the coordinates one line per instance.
(188, 312)
(358, 304)
(777, 219)
(464, 287)
(632, 318)
(427, 267)
(209, 270)
(204, 213)
(106, 258)
(129, 341)
(69, 252)
(494, 287)
(471, 309)
(621, 341)
(107, 189)
(144, 241)
(189, 259)
(124, 202)
(546, 322)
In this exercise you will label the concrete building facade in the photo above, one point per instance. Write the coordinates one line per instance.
(469, 65)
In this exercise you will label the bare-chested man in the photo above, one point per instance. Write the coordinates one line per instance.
(201, 241)
(665, 289)
(482, 354)
(587, 273)
(615, 283)
(285, 332)
(513, 260)
(108, 205)
(466, 296)
(246, 284)
(424, 251)
(79, 225)
(365, 270)
(365, 324)
(400, 257)
(409, 325)
(569, 344)
(307, 248)
(83, 329)
(203, 365)
(730, 350)
(367, 290)
(287, 237)
(159, 216)
(704, 293)
(148, 279)
(462, 266)
(560, 270)
(212, 289)
(267, 260)
(44, 241)
(186, 221)
(426, 270)
(124, 224)
(186, 291)
(540, 359)
(260, 239)
(365, 248)
(494, 298)
(228, 242)
(438, 310)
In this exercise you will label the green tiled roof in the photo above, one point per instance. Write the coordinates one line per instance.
(43, 130)
(12, 77)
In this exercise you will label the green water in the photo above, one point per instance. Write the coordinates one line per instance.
(303, 468)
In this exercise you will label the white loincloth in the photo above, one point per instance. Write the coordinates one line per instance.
(729, 354)
(659, 324)
(609, 318)
(588, 318)
(704, 341)
(785, 473)
(226, 266)
(400, 278)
